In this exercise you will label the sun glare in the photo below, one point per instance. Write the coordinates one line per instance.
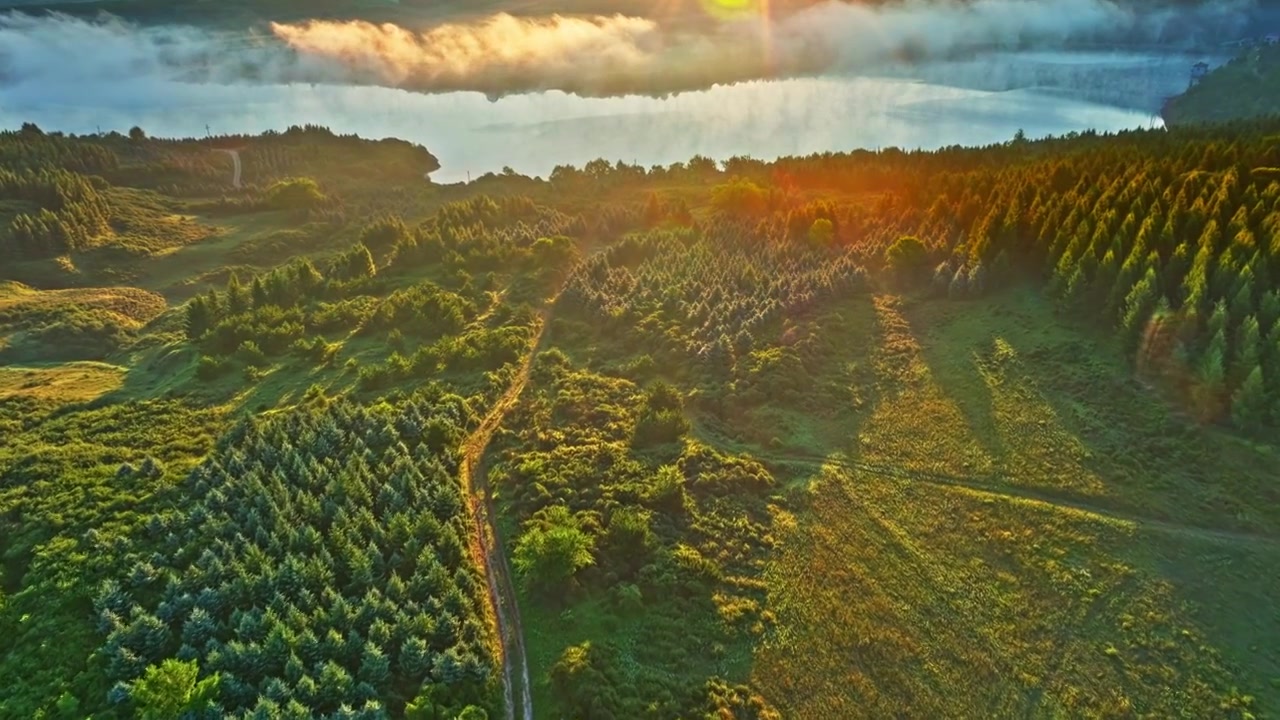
(733, 9)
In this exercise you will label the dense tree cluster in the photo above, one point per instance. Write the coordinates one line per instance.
(706, 295)
(1246, 86)
(482, 234)
(1170, 237)
(31, 149)
(321, 569)
(315, 150)
(68, 211)
(1174, 242)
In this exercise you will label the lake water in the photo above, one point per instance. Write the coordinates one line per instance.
(974, 102)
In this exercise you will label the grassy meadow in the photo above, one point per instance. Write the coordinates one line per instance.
(1012, 532)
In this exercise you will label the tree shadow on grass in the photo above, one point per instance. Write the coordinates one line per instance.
(897, 598)
(1135, 454)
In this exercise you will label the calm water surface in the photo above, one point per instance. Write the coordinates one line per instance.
(974, 102)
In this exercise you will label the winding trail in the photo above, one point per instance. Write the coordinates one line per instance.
(487, 544)
(235, 158)
(992, 487)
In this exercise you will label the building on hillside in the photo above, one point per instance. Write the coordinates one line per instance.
(1271, 39)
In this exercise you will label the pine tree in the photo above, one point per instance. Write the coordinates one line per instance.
(1249, 405)
(1269, 311)
(375, 667)
(308, 278)
(653, 210)
(1248, 351)
(1210, 391)
(1195, 288)
(259, 293)
(199, 318)
(360, 262)
(237, 297)
(1138, 306)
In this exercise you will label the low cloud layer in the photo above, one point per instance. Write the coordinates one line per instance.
(621, 55)
(593, 56)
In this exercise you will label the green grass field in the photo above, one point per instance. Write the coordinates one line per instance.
(69, 382)
(1016, 530)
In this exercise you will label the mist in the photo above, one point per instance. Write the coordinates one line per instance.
(599, 56)
(602, 56)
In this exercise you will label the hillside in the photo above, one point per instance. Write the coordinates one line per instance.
(831, 436)
(1246, 87)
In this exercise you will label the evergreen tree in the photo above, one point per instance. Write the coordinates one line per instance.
(199, 318)
(360, 262)
(1248, 352)
(259, 293)
(238, 300)
(1269, 312)
(1249, 405)
(1138, 306)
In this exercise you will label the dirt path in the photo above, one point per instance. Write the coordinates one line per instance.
(992, 487)
(487, 543)
(235, 158)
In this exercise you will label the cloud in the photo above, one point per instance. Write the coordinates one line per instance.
(590, 56)
(609, 55)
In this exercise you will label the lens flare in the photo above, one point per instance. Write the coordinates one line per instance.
(741, 10)
(732, 9)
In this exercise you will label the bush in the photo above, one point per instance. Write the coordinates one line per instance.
(906, 258)
(552, 550)
(822, 233)
(740, 196)
(251, 355)
(210, 368)
(658, 428)
(295, 194)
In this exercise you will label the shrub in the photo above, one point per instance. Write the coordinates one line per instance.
(251, 355)
(294, 194)
(210, 368)
(740, 196)
(906, 258)
(822, 233)
(552, 550)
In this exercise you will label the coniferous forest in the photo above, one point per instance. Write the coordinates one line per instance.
(977, 432)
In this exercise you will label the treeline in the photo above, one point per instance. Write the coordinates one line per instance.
(320, 569)
(32, 149)
(1172, 238)
(1176, 245)
(70, 211)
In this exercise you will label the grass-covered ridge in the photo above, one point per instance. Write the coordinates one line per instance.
(972, 433)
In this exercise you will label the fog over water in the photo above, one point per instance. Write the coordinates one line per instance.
(560, 93)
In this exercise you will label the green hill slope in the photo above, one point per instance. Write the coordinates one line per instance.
(1246, 87)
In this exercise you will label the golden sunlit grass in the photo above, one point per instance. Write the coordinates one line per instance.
(129, 306)
(897, 599)
(72, 382)
(1050, 540)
